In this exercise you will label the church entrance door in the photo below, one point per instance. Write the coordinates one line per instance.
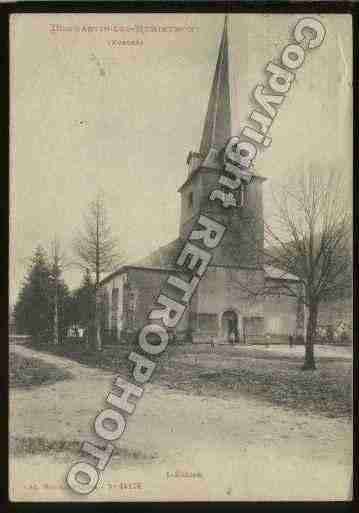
(230, 326)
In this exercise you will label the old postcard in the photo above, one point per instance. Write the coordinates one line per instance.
(180, 257)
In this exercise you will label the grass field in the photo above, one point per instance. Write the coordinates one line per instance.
(31, 372)
(273, 375)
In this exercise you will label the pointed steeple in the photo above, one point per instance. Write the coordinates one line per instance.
(217, 126)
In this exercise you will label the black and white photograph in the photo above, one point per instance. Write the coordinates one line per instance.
(181, 235)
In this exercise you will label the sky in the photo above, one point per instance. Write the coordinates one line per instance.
(86, 116)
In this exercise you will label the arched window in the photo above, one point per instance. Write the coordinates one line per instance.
(190, 200)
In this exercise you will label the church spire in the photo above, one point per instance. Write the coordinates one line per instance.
(217, 126)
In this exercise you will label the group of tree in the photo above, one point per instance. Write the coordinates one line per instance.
(308, 236)
(45, 308)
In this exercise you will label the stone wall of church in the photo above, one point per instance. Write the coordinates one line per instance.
(112, 302)
(227, 290)
(128, 298)
(242, 244)
(142, 289)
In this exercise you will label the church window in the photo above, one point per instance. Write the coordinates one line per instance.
(242, 195)
(190, 200)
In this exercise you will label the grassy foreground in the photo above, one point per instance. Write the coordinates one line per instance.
(325, 392)
(30, 372)
(229, 373)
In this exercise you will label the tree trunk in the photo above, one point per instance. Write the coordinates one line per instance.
(56, 315)
(309, 362)
(97, 334)
(56, 324)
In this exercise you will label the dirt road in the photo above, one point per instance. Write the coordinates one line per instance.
(243, 449)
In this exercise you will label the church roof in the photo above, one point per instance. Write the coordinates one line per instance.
(217, 126)
(278, 274)
(164, 257)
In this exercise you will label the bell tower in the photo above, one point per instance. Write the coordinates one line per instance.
(242, 244)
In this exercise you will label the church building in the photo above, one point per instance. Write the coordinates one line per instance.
(239, 298)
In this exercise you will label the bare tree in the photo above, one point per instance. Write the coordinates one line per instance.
(97, 249)
(309, 236)
(57, 263)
